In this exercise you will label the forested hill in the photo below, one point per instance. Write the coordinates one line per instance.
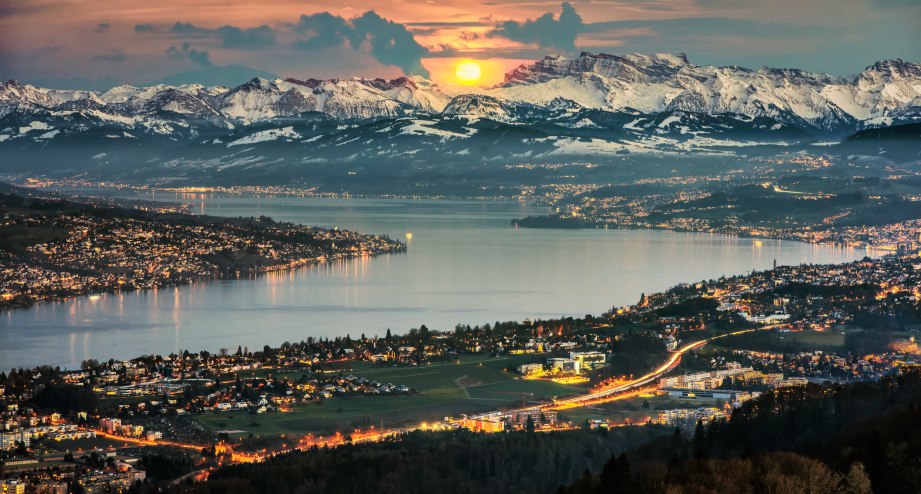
(857, 438)
(424, 462)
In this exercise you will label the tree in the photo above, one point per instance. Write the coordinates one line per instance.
(530, 424)
(700, 441)
(856, 481)
(646, 404)
(616, 475)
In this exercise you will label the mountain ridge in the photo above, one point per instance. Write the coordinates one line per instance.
(594, 107)
(885, 93)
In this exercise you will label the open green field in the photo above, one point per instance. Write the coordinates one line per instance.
(469, 385)
(770, 341)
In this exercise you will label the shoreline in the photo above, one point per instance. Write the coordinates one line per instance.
(584, 225)
(249, 274)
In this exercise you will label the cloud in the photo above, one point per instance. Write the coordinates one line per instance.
(199, 57)
(102, 27)
(255, 38)
(246, 39)
(324, 30)
(22, 8)
(116, 57)
(545, 31)
(188, 29)
(389, 42)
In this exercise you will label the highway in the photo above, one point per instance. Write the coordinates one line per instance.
(640, 382)
(644, 383)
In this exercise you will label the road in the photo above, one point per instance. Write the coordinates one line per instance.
(644, 383)
(641, 382)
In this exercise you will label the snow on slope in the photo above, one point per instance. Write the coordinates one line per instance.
(551, 89)
(266, 135)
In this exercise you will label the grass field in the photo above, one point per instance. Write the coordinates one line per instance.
(770, 341)
(471, 384)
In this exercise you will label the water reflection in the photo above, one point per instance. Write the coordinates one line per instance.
(466, 264)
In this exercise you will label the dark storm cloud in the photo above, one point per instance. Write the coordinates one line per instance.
(102, 27)
(199, 57)
(545, 31)
(145, 28)
(389, 42)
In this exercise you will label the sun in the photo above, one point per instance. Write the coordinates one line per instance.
(467, 72)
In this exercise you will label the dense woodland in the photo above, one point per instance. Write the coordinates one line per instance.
(458, 461)
(855, 438)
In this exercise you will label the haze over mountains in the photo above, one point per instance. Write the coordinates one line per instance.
(590, 106)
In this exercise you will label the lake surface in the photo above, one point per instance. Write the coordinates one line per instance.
(464, 264)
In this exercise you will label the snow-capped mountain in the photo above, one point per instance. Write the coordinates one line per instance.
(556, 108)
(254, 101)
(885, 93)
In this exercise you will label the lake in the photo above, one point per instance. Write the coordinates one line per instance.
(465, 263)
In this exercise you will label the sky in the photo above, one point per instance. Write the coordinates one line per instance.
(96, 44)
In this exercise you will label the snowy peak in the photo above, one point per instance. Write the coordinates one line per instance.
(892, 70)
(885, 93)
(628, 68)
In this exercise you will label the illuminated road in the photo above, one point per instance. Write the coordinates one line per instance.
(642, 384)
(639, 384)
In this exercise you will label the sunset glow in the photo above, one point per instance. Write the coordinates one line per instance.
(468, 72)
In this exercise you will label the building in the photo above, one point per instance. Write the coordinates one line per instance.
(589, 360)
(712, 379)
(687, 416)
(132, 430)
(12, 487)
(483, 423)
(530, 369)
(8, 440)
(51, 487)
(790, 381)
(538, 417)
(714, 395)
(564, 365)
(110, 425)
(765, 319)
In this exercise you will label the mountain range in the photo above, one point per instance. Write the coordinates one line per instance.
(594, 105)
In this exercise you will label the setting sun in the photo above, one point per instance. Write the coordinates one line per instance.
(467, 72)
